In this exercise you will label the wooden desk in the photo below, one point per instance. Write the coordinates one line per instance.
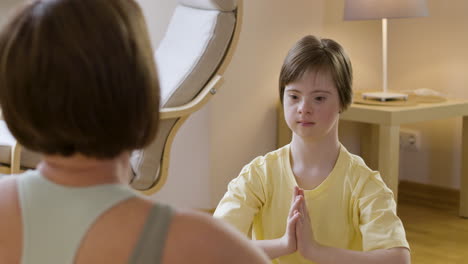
(380, 147)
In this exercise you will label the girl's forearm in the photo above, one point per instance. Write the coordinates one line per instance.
(274, 248)
(326, 255)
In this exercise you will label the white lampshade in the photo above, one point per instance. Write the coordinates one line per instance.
(378, 9)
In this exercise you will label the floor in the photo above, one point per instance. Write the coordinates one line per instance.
(435, 233)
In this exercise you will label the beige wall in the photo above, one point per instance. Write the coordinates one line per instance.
(361, 40)
(240, 122)
(244, 117)
(432, 52)
(425, 52)
(189, 183)
(6, 7)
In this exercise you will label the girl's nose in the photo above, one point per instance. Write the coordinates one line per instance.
(304, 107)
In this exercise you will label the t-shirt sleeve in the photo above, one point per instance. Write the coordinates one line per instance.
(244, 198)
(379, 224)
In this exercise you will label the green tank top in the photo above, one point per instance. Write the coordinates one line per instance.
(56, 218)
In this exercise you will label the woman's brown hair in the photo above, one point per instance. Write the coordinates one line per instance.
(312, 53)
(78, 76)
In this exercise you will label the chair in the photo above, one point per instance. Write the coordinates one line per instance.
(9, 151)
(191, 58)
(12, 155)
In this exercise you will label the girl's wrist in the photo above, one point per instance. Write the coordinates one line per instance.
(285, 246)
(313, 251)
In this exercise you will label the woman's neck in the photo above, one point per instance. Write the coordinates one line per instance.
(80, 171)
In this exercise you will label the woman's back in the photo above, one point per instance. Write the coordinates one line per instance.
(117, 235)
(79, 85)
(110, 239)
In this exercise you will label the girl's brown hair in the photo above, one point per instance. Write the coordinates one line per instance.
(312, 53)
(78, 76)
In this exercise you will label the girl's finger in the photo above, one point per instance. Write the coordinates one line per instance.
(295, 217)
(302, 207)
(297, 204)
(294, 206)
(301, 191)
(305, 210)
(295, 192)
(299, 230)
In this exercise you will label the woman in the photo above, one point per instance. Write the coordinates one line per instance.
(78, 84)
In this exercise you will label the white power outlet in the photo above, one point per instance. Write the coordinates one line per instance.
(410, 140)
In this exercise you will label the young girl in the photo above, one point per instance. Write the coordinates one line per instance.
(79, 85)
(341, 211)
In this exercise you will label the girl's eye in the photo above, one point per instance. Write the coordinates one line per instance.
(320, 98)
(294, 97)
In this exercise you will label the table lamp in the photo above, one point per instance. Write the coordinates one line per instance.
(384, 9)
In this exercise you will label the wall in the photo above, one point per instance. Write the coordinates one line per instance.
(431, 53)
(427, 52)
(6, 7)
(244, 117)
(188, 183)
(361, 41)
(240, 122)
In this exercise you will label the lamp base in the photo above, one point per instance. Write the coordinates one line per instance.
(385, 96)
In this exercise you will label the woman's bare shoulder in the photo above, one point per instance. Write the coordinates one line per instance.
(199, 238)
(8, 193)
(10, 231)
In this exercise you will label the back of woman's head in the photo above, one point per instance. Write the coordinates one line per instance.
(78, 76)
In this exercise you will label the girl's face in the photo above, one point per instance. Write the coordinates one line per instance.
(311, 106)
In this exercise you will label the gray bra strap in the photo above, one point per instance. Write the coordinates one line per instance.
(150, 247)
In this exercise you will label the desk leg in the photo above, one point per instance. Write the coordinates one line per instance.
(464, 172)
(388, 158)
(370, 145)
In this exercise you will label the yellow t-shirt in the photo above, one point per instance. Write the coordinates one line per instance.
(351, 209)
